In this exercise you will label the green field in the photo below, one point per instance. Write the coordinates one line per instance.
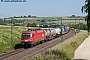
(5, 37)
(45, 20)
(6, 42)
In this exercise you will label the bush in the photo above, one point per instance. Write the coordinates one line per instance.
(80, 26)
(61, 54)
(32, 25)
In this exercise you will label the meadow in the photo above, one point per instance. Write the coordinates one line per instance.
(6, 43)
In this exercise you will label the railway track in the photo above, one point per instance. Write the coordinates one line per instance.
(22, 54)
(8, 54)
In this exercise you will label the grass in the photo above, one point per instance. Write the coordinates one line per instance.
(68, 48)
(65, 50)
(5, 37)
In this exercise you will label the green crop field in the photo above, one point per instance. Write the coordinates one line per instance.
(6, 43)
(47, 20)
(5, 37)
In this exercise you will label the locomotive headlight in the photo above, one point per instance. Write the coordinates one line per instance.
(30, 40)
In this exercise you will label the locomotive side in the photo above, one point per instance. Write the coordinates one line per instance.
(32, 37)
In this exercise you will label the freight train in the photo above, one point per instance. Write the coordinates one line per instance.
(35, 36)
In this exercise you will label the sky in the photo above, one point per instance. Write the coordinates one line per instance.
(42, 8)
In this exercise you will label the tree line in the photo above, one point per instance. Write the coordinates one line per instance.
(29, 16)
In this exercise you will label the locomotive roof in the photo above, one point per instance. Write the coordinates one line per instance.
(33, 31)
(47, 28)
(26, 31)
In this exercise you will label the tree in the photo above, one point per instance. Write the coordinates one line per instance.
(73, 16)
(28, 24)
(29, 15)
(33, 25)
(14, 16)
(86, 9)
(21, 16)
(24, 16)
(43, 20)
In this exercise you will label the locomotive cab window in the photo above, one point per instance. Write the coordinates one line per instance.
(26, 35)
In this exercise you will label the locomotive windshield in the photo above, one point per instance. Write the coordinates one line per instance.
(26, 35)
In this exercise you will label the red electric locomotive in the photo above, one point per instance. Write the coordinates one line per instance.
(31, 37)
